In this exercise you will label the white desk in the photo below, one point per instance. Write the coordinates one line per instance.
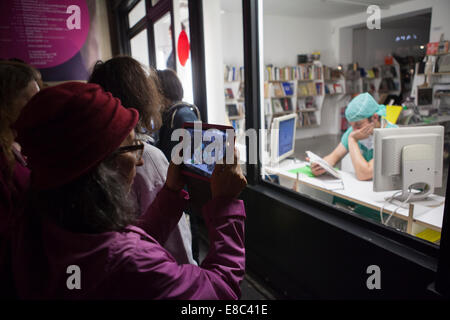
(428, 213)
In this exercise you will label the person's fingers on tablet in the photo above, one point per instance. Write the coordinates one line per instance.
(235, 160)
(236, 155)
(175, 180)
(227, 180)
(218, 168)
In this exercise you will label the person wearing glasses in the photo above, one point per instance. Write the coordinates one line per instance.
(126, 79)
(80, 237)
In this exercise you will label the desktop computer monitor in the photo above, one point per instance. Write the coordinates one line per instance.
(282, 139)
(408, 159)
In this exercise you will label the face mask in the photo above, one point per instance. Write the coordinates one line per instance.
(368, 142)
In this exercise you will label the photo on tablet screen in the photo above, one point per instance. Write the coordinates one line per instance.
(205, 152)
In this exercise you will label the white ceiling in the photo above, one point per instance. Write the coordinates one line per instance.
(315, 9)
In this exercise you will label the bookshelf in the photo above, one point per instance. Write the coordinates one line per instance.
(334, 82)
(279, 99)
(310, 94)
(234, 105)
(436, 76)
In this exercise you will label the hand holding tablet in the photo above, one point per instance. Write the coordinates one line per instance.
(315, 159)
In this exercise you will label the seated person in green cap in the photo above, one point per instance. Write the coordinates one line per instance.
(363, 114)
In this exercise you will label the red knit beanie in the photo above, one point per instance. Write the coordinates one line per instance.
(68, 129)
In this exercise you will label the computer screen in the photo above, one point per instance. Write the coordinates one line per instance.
(286, 136)
(407, 159)
(283, 137)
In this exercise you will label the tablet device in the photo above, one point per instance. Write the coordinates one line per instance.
(315, 158)
(202, 156)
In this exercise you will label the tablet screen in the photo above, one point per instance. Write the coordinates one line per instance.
(202, 159)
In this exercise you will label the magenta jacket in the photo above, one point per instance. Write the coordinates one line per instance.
(12, 199)
(131, 264)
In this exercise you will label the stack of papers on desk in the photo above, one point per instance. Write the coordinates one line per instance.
(329, 183)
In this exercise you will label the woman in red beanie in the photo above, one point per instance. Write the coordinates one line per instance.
(18, 83)
(79, 238)
(126, 79)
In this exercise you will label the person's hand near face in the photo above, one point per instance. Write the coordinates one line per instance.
(363, 133)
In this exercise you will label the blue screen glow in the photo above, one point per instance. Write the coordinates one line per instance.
(286, 136)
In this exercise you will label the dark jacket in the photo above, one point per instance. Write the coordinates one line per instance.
(184, 112)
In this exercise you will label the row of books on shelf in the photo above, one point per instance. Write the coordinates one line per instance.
(229, 94)
(310, 89)
(238, 125)
(309, 72)
(369, 87)
(300, 72)
(306, 104)
(306, 119)
(234, 110)
(353, 87)
(232, 73)
(334, 88)
(281, 89)
(272, 73)
(331, 73)
(282, 105)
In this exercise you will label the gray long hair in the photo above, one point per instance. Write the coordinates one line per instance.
(99, 201)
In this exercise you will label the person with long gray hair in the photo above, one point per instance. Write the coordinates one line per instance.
(79, 236)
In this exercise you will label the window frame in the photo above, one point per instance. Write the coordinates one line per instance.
(123, 35)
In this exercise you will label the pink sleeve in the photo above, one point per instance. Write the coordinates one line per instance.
(164, 213)
(157, 276)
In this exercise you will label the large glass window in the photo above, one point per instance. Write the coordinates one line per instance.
(336, 75)
(233, 71)
(183, 44)
(136, 14)
(163, 43)
(139, 47)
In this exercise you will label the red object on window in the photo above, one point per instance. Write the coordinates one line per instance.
(388, 60)
(183, 48)
(432, 48)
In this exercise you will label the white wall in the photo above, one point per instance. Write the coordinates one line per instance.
(232, 38)
(285, 37)
(440, 22)
(214, 62)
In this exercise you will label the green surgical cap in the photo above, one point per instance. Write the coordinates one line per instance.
(363, 106)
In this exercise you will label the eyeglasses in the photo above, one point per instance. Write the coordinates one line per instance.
(137, 148)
